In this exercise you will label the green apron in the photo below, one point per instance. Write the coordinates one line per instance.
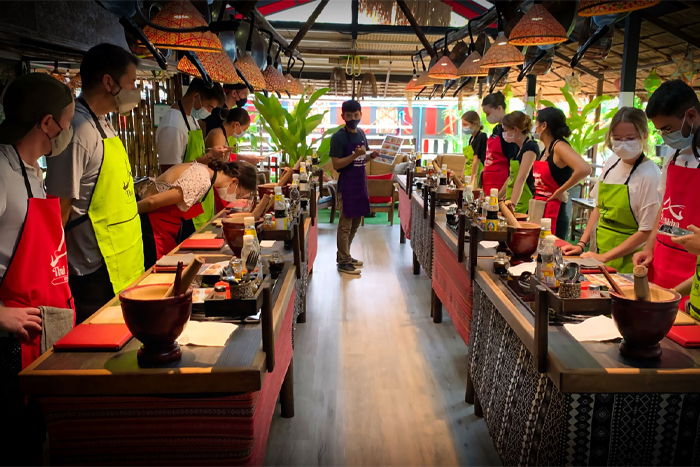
(470, 158)
(526, 195)
(194, 150)
(114, 215)
(694, 300)
(617, 222)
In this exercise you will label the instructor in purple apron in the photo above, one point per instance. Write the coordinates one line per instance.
(349, 155)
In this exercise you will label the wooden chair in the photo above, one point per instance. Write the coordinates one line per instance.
(384, 189)
(329, 197)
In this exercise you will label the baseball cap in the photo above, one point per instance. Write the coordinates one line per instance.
(29, 98)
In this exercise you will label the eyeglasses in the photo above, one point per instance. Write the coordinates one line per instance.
(625, 140)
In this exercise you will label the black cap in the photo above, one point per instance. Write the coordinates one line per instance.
(27, 100)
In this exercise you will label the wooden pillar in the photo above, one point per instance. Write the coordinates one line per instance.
(531, 94)
(630, 55)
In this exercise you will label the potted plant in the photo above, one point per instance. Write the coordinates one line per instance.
(289, 130)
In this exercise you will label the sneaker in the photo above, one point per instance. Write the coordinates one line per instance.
(356, 262)
(348, 269)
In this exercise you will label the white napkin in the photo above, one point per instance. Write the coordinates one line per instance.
(516, 271)
(172, 260)
(601, 328)
(110, 315)
(488, 244)
(207, 334)
(267, 244)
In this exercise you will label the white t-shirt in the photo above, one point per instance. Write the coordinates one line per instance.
(686, 158)
(171, 137)
(644, 198)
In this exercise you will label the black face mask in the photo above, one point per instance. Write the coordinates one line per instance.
(352, 124)
(241, 102)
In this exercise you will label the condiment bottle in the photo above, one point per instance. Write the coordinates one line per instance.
(249, 223)
(547, 261)
(237, 267)
(501, 264)
(248, 248)
(303, 179)
(314, 162)
(492, 211)
(267, 223)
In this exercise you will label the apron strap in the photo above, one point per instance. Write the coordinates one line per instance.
(636, 164)
(94, 117)
(24, 173)
(605, 175)
(675, 156)
(184, 116)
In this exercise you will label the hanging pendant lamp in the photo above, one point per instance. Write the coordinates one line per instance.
(292, 86)
(610, 7)
(501, 54)
(472, 66)
(444, 68)
(179, 14)
(274, 81)
(537, 27)
(217, 65)
(411, 85)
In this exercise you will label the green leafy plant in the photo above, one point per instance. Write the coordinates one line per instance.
(584, 135)
(251, 136)
(288, 131)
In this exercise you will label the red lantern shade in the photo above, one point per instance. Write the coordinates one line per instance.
(609, 7)
(537, 27)
(218, 65)
(274, 80)
(181, 14)
(411, 85)
(293, 86)
(252, 73)
(472, 66)
(501, 54)
(443, 69)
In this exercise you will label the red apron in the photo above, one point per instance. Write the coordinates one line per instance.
(38, 271)
(166, 223)
(681, 208)
(545, 186)
(496, 165)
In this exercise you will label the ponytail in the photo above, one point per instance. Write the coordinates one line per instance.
(494, 100)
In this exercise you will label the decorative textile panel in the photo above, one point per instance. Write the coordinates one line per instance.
(405, 212)
(422, 238)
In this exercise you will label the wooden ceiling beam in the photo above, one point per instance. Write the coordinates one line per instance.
(416, 27)
(305, 28)
(671, 29)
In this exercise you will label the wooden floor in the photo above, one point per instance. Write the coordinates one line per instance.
(375, 381)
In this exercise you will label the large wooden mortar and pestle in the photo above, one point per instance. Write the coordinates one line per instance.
(157, 314)
(643, 315)
(523, 242)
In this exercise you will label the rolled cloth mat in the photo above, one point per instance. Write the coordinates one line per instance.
(55, 323)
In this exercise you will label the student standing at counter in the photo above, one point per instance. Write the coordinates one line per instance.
(498, 150)
(94, 181)
(475, 151)
(348, 150)
(626, 195)
(560, 167)
(236, 123)
(675, 111)
(33, 264)
(521, 183)
(236, 96)
(176, 195)
(180, 139)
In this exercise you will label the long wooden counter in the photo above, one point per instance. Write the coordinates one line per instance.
(215, 405)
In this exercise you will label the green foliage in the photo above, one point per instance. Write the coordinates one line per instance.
(583, 133)
(289, 130)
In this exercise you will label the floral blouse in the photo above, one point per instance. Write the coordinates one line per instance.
(193, 183)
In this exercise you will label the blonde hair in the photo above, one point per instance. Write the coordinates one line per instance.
(473, 119)
(519, 121)
(637, 118)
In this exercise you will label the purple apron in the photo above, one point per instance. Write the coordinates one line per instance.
(353, 185)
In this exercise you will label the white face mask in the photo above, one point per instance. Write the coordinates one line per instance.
(493, 118)
(127, 99)
(467, 131)
(224, 194)
(676, 140)
(60, 142)
(627, 150)
(508, 138)
(201, 113)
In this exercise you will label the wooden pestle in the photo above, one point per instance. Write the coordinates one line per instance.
(261, 208)
(458, 183)
(641, 283)
(188, 276)
(286, 177)
(510, 217)
(437, 168)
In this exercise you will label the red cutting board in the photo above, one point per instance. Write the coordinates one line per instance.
(202, 244)
(687, 336)
(96, 337)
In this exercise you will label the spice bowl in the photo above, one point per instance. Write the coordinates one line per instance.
(523, 243)
(644, 323)
(156, 321)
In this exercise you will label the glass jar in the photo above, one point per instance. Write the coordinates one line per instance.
(237, 267)
(276, 264)
(267, 223)
(502, 224)
(501, 264)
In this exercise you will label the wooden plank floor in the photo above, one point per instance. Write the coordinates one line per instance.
(376, 382)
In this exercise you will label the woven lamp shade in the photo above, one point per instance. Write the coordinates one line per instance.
(443, 69)
(608, 7)
(252, 73)
(472, 66)
(501, 54)
(411, 85)
(425, 80)
(181, 14)
(537, 27)
(218, 65)
(274, 80)
(293, 86)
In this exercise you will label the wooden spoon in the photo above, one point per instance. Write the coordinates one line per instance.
(613, 284)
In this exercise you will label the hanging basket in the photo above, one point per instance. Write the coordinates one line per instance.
(368, 85)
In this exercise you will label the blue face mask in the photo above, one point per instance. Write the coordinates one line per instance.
(676, 140)
(467, 131)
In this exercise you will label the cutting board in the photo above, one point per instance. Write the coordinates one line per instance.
(95, 337)
(202, 244)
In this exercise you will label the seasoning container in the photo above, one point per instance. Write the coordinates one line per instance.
(219, 292)
(276, 264)
(502, 224)
(594, 291)
(237, 267)
(501, 264)
(267, 223)
(570, 290)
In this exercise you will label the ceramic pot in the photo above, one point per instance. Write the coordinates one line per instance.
(234, 229)
(523, 243)
(269, 189)
(156, 321)
(644, 323)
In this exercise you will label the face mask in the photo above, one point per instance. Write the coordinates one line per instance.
(60, 142)
(508, 138)
(201, 113)
(352, 124)
(627, 150)
(676, 140)
(223, 194)
(537, 136)
(493, 118)
(239, 135)
(467, 131)
(127, 99)
(241, 102)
